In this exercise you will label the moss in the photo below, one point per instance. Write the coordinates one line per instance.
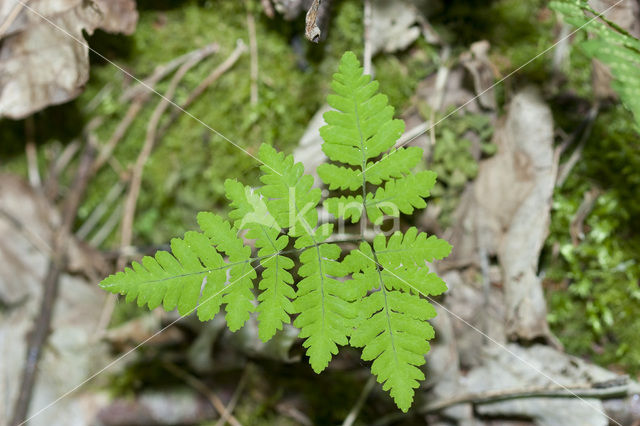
(592, 287)
(186, 172)
(517, 31)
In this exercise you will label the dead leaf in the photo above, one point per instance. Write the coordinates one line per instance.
(70, 355)
(477, 62)
(43, 56)
(394, 25)
(506, 211)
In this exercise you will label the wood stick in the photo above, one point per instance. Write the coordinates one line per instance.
(141, 94)
(204, 84)
(312, 29)
(586, 391)
(198, 385)
(235, 397)
(126, 230)
(11, 17)
(366, 390)
(268, 8)
(32, 154)
(57, 264)
(368, 48)
(163, 70)
(253, 48)
(58, 166)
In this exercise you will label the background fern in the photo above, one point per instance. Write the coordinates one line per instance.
(613, 46)
(370, 298)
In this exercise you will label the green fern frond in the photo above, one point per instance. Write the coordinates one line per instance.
(323, 302)
(401, 195)
(175, 280)
(372, 298)
(250, 212)
(388, 278)
(392, 326)
(613, 46)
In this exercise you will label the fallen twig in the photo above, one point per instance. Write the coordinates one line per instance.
(268, 8)
(585, 391)
(11, 17)
(577, 223)
(368, 48)
(56, 266)
(586, 126)
(198, 385)
(35, 239)
(63, 160)
(141, 94)
(316, 19)
(441, 83)
(163, 70)
(32, 154)
(204, 84)
(253, 48)
(353, 414)
(100, 210)
(126, 230)
(235, 397)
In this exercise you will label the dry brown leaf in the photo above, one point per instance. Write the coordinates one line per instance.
(44, 59)
(70, 355)
(506, 211)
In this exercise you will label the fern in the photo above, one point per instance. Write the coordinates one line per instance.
(614, 46)
(367, 298)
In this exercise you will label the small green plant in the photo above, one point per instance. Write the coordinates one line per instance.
(453, 161)
(368, 297)
(593, 277)
(614, 46)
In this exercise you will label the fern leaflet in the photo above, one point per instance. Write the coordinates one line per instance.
(614, 46)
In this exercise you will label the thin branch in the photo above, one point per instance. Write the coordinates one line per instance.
(586, 127)
(577, 222)
(108, 226)
(61, 163)
(204, 390)
(368, 47)
(32, 154)
(100, 210)
(35, 239)
(412, 133)
(205, 84)
(163, 70)
(268, 8)
(11, 17)
(119, 132)
(353, 414)
(441, 83)
(253, 48)
(141, 94)
(585, 391)
(235, 397)
(316, 19)
(56, 265)
(126, 230)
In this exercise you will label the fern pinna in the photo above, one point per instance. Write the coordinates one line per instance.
(369, 297)
(614, 46)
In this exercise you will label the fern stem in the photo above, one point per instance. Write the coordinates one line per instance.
(386, 303)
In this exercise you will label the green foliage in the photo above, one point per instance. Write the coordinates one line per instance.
(614, 46)
(369, 298)
(453, 161)
(592, 285)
